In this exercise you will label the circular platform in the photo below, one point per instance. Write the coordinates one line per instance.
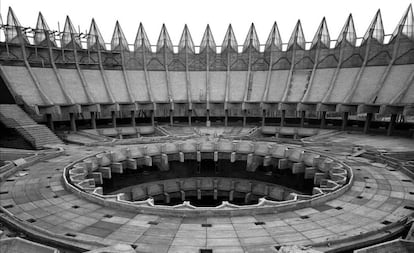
(376, 205)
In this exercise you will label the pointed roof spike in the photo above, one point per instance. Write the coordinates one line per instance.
(41, 30)
(186, 42)
(406, 25)
(208, 40)
(274, 40)
(348, 32)
(141, 40)
(322, 35)
(297, 37)
(229, 40)
(69, 32)
(375, 29)
(13, 28)
(164, 40)
(95, 39)
(251, 39)
(118, 41)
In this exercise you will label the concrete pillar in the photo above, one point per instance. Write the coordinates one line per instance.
(302, 118)
(323, 119)
(50, 121)
(198, 167)
(152, 118)
(247, 197)
(368, 122)
(215, 156)
(263, 118)
(93, 120)
(133, 123)
(391, 124)
(233, 157)
(72, 122)
(164, 165)
(198, 156)
(282, 118)
(344, 120)
(113, 115)
(167, 198)
(253, 162)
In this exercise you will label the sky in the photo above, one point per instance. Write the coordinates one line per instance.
(218, 13)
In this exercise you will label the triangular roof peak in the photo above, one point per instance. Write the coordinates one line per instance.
(274, 41)
(141, 40)
(375, 29)
(14, 29)
(69, 34)
(252, 39)
(322, 35)
(118, 41)
(406, 25)
(186, 42)
(297, 37)
(348, 33)
(208, 40)
(229, 40)
(42, 31)
(164, 40)
(95, 39)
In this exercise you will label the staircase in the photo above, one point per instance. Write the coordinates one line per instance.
(12, 116)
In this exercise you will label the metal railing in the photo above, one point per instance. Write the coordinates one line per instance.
(30, 33)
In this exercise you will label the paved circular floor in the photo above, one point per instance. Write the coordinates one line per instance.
(379, 196)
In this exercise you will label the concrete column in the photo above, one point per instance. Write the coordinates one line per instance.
(263, 118)
(93, 120)
(113, 115)
(323, 119)
(152, 118)
(391, 124)
(302, 118)
(72, 122)
(50, 121)
(133, 123)
(344, 120)
(198, 167)
(368, 122)
(282, 118)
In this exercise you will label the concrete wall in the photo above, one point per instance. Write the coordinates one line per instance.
(21, 83)
(118, 85)
(138, 85)
(96, 84)
(49, 83)
(394, 82)
(217, 85)
(159, 86)
(277, 85)
(320, 85)
(73, 85)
